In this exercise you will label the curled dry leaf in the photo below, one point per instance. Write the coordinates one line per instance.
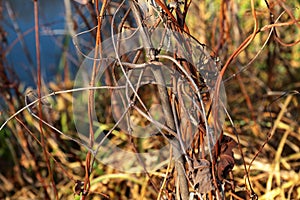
(201, 175)
(226, 161)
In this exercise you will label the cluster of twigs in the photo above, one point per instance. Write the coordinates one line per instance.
(148, 77)
(195, 164)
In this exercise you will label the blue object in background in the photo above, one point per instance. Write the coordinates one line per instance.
(21, 55)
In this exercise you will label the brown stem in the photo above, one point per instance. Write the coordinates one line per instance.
(177, 151)
(39, 83)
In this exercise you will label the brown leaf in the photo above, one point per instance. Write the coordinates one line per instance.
(202, 176)
(226, 161)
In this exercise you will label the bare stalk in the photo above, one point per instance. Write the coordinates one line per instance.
(39, 82)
